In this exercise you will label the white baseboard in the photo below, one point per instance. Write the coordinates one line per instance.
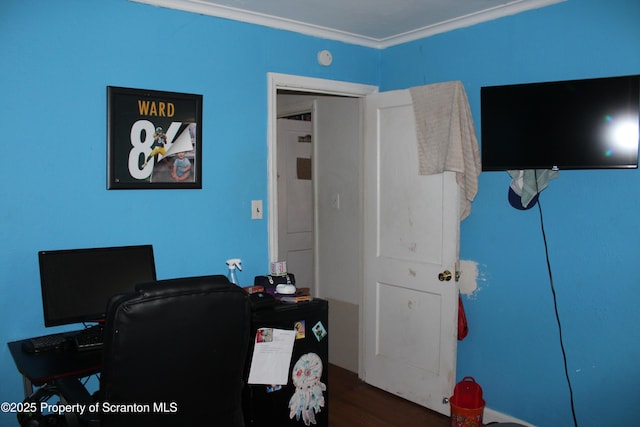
(492, 416)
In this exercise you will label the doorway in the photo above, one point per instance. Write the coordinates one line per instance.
(336, 187)
(295, 192)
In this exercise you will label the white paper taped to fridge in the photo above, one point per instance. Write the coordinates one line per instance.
(271, 356)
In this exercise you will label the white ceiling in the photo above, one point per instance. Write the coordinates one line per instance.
(373, 23)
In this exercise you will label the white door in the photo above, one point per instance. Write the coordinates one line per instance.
(420, 319)
(295, 199)
(410, 237)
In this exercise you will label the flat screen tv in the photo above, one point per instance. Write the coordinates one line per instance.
(574, 124)
(78, 283)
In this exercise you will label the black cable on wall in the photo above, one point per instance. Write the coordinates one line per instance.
(555, 305)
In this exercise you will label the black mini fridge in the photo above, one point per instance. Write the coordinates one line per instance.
(303, 401)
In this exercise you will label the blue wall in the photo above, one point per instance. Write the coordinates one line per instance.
(57, 60)
(591, 220)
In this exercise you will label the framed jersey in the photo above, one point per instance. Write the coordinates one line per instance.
(154, 139)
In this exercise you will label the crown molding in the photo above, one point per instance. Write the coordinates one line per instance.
(236, 14)
(511, 8)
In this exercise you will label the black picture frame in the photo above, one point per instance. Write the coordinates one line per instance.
(147, 131)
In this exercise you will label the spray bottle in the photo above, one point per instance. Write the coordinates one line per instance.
(234, 263)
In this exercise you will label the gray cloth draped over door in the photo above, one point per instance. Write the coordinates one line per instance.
(446, 137)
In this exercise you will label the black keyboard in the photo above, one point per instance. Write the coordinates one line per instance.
(89, 339)
(44, 343)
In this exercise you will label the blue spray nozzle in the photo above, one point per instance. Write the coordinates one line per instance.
(234, 263)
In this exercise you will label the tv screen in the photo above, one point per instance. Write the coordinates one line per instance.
(78, 283)
(575, 124)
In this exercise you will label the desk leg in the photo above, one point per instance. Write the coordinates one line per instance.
(28, 387)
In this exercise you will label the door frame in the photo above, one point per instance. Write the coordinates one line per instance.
(277, 81)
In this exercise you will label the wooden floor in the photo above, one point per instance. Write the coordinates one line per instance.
(353, 403)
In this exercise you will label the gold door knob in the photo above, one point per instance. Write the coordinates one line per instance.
(445, 276)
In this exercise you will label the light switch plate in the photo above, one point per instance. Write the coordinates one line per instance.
(256, 209)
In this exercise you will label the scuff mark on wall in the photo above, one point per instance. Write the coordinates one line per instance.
(468, 277)
(472, 279)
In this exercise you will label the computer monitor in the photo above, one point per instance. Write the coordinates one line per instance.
(78, 283)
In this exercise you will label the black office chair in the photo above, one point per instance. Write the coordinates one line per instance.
(174, 355)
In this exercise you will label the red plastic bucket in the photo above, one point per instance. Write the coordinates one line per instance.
(467, 404)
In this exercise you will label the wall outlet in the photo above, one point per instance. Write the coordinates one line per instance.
(256, 209)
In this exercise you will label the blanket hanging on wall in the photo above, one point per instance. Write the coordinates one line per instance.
(446, 137)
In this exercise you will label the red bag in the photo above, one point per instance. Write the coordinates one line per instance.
(468, 394)
(463, 328)
(467, 404)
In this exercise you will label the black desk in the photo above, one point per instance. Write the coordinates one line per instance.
(41, 368)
